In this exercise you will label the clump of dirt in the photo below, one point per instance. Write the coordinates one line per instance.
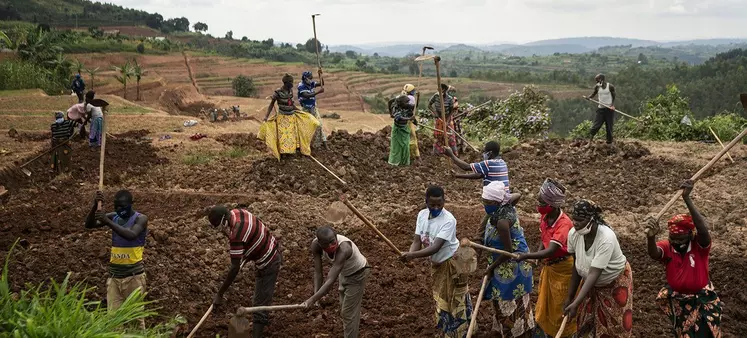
(140, 133)
(241, 140)
(183, 101)
(31, 136)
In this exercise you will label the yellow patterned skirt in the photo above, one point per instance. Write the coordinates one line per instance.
(284, 134)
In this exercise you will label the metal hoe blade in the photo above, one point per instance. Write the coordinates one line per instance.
(26, 171)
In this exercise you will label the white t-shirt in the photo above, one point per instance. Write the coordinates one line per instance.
(444, 227)
(95, 111)
(604, 254)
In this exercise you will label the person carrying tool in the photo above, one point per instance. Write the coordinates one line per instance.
(556, 274)
(401, 109)
(352, 269)
(78, 87)
(96, 116)
(307, 100)
(293, 129)
(606, 96)
(250, 240)
(436, 230)
(606, 297)
(434, 104)
(492, 168)
(688, 300)
(510, 282)
(129, 230)
(62, 131)
(77, 113)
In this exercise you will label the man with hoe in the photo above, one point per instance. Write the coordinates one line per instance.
(62, 131)
(606, 116)
(434, 104)
(307, 100)
(250, 240)
(352, 269)
(129, 229)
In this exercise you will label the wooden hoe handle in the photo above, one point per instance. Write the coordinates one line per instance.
(369, 224)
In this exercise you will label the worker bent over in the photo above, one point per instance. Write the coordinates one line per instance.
(352, 269)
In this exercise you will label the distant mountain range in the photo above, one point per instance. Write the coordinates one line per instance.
(543, 47)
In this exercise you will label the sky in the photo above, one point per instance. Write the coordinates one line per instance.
(358, 22)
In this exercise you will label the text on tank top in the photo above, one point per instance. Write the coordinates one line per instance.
(356, 261)
(605, 95)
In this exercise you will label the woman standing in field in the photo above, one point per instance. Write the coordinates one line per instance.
(553, 286)
(96, 116)
(510, 282)
(292, 129)
(688, 300)
(606, 298)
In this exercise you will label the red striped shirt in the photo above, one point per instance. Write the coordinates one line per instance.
(250, 239)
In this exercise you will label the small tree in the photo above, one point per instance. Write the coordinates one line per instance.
(200, 27)
(453, 73)
(243, 86)
(92, 73)
(229, 35)
(140, 48)
(78, 66)
(125, 73)
(138, 72)
(311, 47)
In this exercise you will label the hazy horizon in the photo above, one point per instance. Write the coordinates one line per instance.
(358, 22)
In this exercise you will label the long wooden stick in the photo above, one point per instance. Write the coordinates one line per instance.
(562, 327)
(473, 322)
(470, 110)
(327, 169)
(204, 317)
(246, 310)
(437, 60)
(700, 172)
(621, 113)
(721, 143)
(369, 224)
(464, 139)
(467, 242)
(102, 155)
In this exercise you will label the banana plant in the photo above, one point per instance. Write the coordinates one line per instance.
(5, 40)
(92, 73)
(138, 72)
(78, 66)
(125, 73)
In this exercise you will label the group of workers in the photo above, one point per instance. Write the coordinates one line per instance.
(586, 278)
(67, 126)
(292, 130)
(212, 114)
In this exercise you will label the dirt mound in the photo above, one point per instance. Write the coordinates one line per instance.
(183, 101)
(140, 133)
(31, 136)
(613, 176)
(241, 140)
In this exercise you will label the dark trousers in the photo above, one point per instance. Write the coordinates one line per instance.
(264, 288)
(80, 96)
(604, 116)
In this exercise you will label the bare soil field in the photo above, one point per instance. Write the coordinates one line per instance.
(175, 180)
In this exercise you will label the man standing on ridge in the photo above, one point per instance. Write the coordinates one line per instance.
(350, 266)
(307, 100)
(606, 116)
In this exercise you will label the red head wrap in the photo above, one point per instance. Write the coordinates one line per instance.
(681, 224)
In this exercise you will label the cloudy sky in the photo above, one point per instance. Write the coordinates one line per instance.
(466, 21)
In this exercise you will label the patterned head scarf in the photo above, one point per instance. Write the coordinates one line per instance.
(287, 78)
(681, 224)
(587, 209)
(59, 117)
(305, 76)
(495, 191)
(553, 193)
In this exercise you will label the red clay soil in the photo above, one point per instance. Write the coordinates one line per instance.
(186, 260)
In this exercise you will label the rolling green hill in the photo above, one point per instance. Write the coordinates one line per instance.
(72, 12)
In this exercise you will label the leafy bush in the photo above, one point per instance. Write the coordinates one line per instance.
(63, 311)
(140, 48)
(17, 74)
(663, 120)
(522, 115)
(243, 86)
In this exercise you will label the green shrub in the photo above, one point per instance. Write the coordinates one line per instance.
(581, 130)
(17, 74)
(243, 86)
(62, 310)
(140, 48)
(522, 115)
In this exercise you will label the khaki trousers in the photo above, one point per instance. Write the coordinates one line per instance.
(351, 297)
(118, 289)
